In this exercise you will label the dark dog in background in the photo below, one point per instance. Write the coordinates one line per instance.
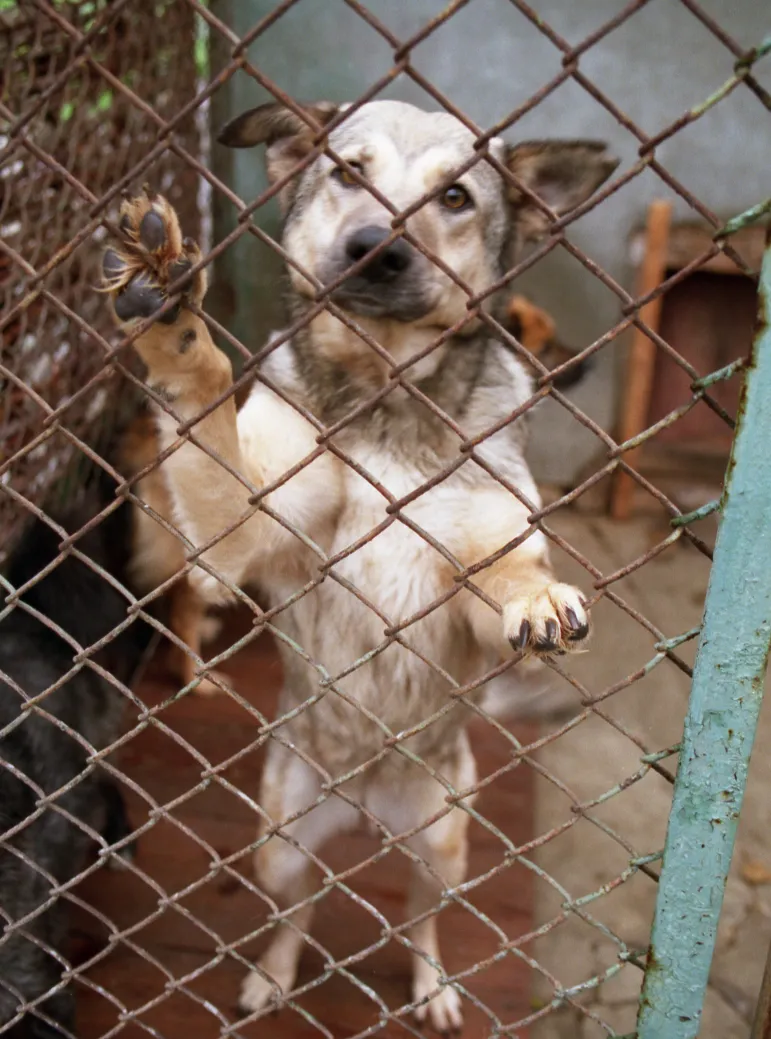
(48, 744)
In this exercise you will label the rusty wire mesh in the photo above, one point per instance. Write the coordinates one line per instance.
(68, 150)
(71, 133)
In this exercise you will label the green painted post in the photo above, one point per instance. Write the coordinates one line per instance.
(721, 720)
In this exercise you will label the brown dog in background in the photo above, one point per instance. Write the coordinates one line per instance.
(537, 332)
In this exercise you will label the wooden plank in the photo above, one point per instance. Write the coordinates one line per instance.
(642, 356)
(687, 242)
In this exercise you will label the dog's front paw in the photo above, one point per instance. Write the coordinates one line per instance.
(552, 619)
(151, 257)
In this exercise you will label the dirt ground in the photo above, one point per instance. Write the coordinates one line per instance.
(593, 758)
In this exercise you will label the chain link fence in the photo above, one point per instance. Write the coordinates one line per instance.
(97, 100)
(74, 131)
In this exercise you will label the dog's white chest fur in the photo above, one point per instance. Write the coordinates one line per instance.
(386, 573)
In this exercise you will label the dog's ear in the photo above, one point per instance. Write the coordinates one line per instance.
(288, 136)
(535, 327)
(563, 174)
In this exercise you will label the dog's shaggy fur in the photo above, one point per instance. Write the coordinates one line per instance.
(46, 746)
(363, 538)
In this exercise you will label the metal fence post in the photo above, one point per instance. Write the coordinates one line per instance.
(722, 718)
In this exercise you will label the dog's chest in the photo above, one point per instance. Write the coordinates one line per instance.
(394, 562)
(378, 623)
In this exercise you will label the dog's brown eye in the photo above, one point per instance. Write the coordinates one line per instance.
(345, 177)
(455, 197)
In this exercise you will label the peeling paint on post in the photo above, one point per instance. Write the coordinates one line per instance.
(721, 720)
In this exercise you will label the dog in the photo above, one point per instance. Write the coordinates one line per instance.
(46, 747)
(362, 537)
(157, 555)
(536, 331)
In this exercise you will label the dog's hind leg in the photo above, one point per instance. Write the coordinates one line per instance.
(291, 790)
(187, 615)
(443, 848)
(443, 1009)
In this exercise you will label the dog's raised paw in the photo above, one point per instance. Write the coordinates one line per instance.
(151, 257)
(550, 620)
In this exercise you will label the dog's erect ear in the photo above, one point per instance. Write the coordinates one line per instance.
(287, 135)
(563, 174)
(273, 122)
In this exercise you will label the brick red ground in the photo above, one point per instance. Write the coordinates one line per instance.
(178, 948)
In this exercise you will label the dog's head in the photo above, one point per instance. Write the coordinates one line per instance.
(334, 223)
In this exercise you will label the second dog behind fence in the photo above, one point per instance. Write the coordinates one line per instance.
(46, 744)
(157, 555)
(537, 332)
(388, 628)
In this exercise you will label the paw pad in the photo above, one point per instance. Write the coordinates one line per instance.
(151, 258)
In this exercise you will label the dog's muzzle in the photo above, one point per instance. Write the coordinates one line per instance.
(389, 284)
(385, 266)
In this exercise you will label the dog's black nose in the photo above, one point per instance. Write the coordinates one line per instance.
(389, 263)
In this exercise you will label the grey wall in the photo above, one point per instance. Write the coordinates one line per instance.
(488, 59)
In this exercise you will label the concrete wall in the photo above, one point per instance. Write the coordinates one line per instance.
(488, 59)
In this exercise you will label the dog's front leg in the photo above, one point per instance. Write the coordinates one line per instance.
(541, 615)
(186, 367)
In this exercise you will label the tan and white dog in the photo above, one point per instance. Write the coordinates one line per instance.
(359, 540)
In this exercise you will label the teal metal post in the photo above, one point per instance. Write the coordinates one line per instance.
(721, 720)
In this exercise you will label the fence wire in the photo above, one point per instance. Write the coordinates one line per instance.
(71, 131)
(98, 98)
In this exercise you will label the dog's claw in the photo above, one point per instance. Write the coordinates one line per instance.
(521, 639)
(112, 265)
(548, 620)
(552, 636)
(178, 268)
(578, 629)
